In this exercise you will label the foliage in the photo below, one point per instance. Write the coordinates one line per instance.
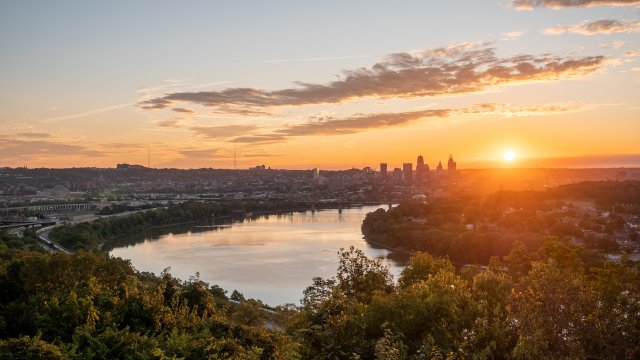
(92, 306)
(557, 303)
(89, 236)
(471, 230)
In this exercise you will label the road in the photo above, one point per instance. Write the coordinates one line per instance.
(43, 234)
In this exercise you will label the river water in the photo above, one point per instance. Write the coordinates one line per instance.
(271, 258)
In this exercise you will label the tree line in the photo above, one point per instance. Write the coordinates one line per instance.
(102, 232)
(553, 302)
(472, 229)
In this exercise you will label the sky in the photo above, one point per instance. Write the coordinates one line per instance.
(331, 84)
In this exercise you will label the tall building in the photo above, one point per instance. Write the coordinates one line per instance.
(397, 176)
(316, 173)
(383, 169)
(451, 167)
(439, 171)
(420, 170)
(426, 176)
(407, 172)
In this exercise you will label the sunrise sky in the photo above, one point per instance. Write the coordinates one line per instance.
(329, 84)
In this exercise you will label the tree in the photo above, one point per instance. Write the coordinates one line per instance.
(359, 277)
(27, 348)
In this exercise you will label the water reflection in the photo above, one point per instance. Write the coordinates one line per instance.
(272, 258)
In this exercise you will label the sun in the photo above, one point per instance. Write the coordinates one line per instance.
(509, 155)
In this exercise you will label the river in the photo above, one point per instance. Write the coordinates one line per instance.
(272, 258)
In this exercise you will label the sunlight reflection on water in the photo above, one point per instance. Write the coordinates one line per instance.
(271, 258)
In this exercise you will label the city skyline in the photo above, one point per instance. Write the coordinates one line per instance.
(331, 85)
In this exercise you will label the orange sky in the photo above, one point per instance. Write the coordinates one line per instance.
(277, 85)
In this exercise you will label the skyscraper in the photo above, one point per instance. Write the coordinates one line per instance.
(451, 167)
(407, 172)
(383, 169)
(439, 171)
(420, 170)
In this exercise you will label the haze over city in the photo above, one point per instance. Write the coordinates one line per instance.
(332, 84)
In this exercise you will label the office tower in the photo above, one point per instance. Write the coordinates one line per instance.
(451, 167)
(407, 172)
(383, 169)
(420, 170)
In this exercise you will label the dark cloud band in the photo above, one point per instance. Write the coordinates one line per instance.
(438, 72)
(559, 4)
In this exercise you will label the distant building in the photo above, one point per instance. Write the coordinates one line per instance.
(451, 167)
(336, 183)
(128, 166)
(316, 173)
(383, 169)
(439, 171)
(407, 172)
(397, 176)
(420, 170)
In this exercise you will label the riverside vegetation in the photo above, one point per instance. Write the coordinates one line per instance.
(472, 229)
(550, 303)
(555, 301)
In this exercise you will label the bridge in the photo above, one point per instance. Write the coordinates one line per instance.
(25, 224)
(48, 208)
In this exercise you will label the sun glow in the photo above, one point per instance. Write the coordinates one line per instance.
(509, 155)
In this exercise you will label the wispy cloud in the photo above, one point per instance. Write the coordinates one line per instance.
(347, 57)
(200, 153)
(460, 69)
(616, 44)
(184, 111)
(11, 148)
(535, 110)
(222, 131)
(560, 4)
(218, 153)
(512, 35)
(85, 113)
(34, 135)
(329, 126)
(602, 26)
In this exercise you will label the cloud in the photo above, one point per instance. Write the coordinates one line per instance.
(183, 111)
(217, 153)
(11, 148)
(560, 4)
(328, 126)
(170, 123)
(512, 35)
(85, 113)
(200, 153)
(353, 124)
(617, 44)
(33, 135)
(509, 110)
(261, 139)
(460, 69)
(602, 26)
(632, 53)
(222, 131)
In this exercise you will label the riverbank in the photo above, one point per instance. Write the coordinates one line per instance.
(272, 258)
(95, 234)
